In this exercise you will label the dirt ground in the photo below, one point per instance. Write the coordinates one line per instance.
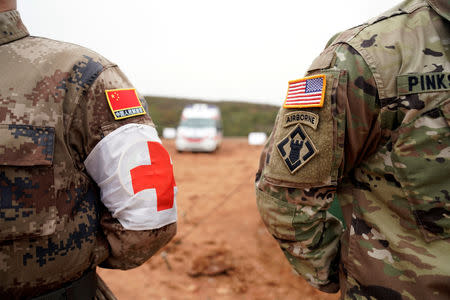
(222, 249)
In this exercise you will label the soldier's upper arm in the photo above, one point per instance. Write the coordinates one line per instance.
(307, 139)
(97, 115)
(114, 139)
(327, 124)
(300, 169)
(317, 146)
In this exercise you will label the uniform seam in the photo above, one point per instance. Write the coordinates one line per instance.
(286, 184)
(77, 102)
(13, 38)
(350, 264)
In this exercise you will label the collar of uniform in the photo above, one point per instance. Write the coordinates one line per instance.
(11, 27)
(442, 7)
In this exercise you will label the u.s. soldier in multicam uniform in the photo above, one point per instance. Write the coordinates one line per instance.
(379, 145)
(56, 127)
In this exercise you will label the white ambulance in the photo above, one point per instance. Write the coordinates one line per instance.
(200, 128)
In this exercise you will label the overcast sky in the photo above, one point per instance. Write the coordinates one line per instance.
(245, 50)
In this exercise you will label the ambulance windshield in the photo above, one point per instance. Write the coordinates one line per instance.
(198, 123)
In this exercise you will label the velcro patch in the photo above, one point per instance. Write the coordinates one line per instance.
(124, 103)
(303, 148)
(296, 149)
(306, 92)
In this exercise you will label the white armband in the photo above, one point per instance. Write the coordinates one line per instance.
(135, 176)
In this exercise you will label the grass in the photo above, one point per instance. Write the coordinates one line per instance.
(239, 118)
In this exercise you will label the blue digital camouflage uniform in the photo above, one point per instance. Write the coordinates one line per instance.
(53, 111)
(380, 151)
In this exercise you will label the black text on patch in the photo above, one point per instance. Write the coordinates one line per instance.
(302, 117)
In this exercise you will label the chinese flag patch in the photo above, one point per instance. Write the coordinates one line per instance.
(124, 103)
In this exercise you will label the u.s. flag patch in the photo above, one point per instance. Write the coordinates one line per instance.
(306, 92)
(124, 103)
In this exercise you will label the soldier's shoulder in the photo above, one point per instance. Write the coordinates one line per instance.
(387, 26)
(389, 20)
(395, 19)
(60, 52)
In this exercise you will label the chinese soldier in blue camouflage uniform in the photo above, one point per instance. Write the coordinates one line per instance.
(66, 206)
(354, 182)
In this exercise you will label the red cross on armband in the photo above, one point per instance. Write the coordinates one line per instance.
(158, 175)
(135, 176)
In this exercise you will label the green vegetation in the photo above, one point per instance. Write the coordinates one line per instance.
(239, 118)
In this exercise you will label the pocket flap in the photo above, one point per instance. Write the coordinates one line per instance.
(26, 145)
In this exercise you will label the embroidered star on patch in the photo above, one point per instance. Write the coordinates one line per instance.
(296, 149)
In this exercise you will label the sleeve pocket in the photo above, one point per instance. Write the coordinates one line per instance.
(277, 215)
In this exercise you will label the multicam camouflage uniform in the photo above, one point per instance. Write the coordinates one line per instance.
(382, 149)
(53, 111)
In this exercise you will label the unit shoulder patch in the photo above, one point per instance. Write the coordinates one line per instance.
(296, 149)
(306, 92)
(124, 103)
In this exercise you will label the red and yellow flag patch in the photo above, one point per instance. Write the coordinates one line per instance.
(124, 103)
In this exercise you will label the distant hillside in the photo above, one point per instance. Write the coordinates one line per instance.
(239, 118)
